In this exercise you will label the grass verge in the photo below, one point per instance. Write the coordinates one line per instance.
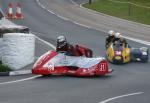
(123, 10)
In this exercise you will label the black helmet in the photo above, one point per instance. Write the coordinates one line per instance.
(61, 41)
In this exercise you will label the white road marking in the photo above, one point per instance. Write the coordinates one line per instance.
(42, 6)
(63, 17)
(20, 80)
(81, 24)
(33, 77)
(121, 96)
(29, 71)
(25, 79)
(74, 2)
(138, 40)
(51, 12)
(133, 39)
(47, 43)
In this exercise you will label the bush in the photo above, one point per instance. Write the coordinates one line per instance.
(4, 68)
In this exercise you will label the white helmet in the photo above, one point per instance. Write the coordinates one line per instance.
(61, 41)
(111, 32)
(61, 38)
(118, 35)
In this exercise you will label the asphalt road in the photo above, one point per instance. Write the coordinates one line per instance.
(126, 79)
(97, 20)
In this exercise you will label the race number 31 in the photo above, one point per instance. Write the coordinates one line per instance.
(102, 66)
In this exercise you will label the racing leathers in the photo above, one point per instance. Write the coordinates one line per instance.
(109, 39)
(67, 48)
(74, 50)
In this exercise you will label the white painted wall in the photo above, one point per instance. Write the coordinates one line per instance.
(18, 50)
(1, 44)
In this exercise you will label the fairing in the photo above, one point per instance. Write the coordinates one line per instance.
(59, 63)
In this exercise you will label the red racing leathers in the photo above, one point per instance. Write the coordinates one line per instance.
(75, 50)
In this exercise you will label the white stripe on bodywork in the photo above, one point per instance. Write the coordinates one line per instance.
(63, 60)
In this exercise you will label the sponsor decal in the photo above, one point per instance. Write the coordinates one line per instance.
(71, 71)
(64, 61)
(41, 59)
(144, 53)
(51, 66)
(118, 57)
(138, 59)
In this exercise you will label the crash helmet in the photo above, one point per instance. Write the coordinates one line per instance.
(121, 38)
(118, 35)
(61, 41)
(111, 33)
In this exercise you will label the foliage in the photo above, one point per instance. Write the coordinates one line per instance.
(4, 68)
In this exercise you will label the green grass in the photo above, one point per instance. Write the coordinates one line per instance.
(139, 2)
(4, 68)
(138, 14)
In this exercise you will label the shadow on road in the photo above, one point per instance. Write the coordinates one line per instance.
(74, 77)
